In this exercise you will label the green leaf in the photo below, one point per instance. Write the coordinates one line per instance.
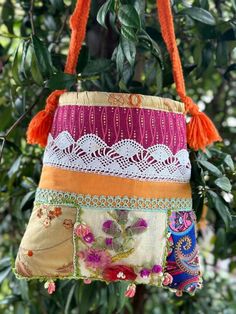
(102, 13)
(15, 167)
(83, 59)
(43, 57)
(229, 162)
(128, 33)
(224, 184)
(120, 58)
(61, 80)
(128, 16)
(200, 15)
(28, 198)
(129, 50)
(216, 202)
(96, 66)
(35, 71)
(4, 274)
(213, 169)
(222, 53)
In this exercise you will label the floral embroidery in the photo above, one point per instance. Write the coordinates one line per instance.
(95, 258)
(100, 254)
(68, 224)
(119, 272)
(47, 214)
(145, 273)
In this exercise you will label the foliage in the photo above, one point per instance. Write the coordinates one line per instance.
(124, 51)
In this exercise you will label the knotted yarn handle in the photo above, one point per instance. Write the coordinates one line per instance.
(200, 130)
(41, 123)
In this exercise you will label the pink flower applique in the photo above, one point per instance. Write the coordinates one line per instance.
(168, 279)
(81, 230)
(131, 290)
(95, 258)
(50, 286)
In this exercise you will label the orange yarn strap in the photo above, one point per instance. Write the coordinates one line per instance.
(200, 130)
(78, 23)
(41, 123)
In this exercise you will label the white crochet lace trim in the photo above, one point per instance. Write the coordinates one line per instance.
(126, 158)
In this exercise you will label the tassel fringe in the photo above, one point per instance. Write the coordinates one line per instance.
(201, 132)
(41, 123)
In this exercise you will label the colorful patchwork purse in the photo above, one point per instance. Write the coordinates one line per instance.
(114, 199)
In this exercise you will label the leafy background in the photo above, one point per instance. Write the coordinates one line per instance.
(124, 52)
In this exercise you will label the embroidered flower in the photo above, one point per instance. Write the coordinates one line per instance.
(138, 227)
(119, 272)
(81, 230)
(156, 269)
(68, 224)
(39, 213)
(89, 238)
(51, 214)
(145, 273)
(50, 285)
(131, 290)
(30, 253)
(47, 222)
(111, 227)
(95, 258)
(57, 211)
(168, 279)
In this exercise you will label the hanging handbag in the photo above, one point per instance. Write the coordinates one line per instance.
(114, 199)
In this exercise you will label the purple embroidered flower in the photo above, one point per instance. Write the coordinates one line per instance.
(111, 227)
(95, 258)
(138, 227)
(145, 273)
(89, 238)
(157, 269)
(108, 242)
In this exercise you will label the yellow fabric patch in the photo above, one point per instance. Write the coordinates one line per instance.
(121, 100)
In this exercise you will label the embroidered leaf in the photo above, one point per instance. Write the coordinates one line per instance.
(111, 227)
(122, 255)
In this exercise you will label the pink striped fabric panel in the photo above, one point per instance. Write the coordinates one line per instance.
(146, 126)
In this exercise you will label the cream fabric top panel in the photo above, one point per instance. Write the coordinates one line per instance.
(121, 100)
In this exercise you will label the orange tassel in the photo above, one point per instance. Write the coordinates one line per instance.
(41, 124)
(201, 130)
